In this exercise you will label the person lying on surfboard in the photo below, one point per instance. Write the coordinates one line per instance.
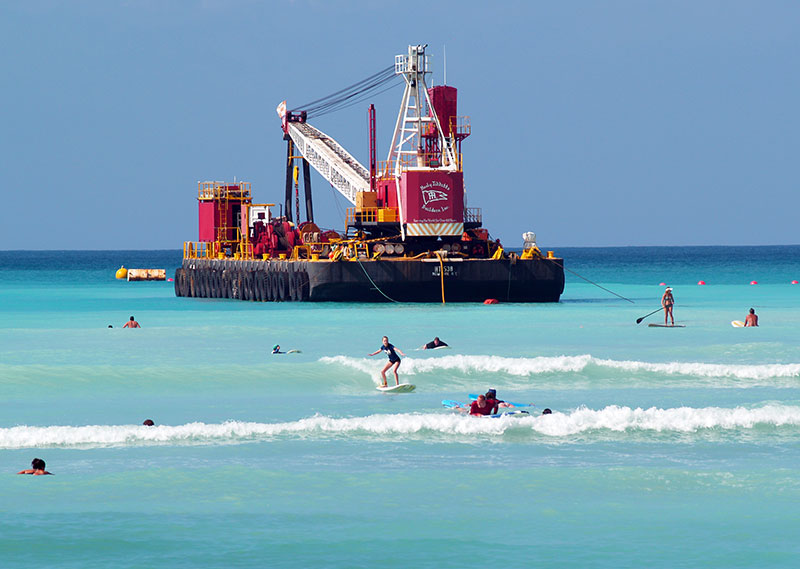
(276, 349)
(435, 343)
(494, 402)
(481, 407)
(752, 319)
(394, 360)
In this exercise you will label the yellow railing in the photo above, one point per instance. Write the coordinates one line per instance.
(199, 250)
(223, 190)
(419, 160)
(460, 126)
(371, 215)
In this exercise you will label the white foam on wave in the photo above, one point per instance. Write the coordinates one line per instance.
(738, 371)
(679, 419)
(441, 426)
(474, 364)
(571, 364)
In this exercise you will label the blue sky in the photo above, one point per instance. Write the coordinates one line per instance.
(593, 123)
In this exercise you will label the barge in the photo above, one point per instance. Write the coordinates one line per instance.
(408, 236)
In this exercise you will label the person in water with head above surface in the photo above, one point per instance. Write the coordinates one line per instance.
(480, 406)
(668, 301)
(435, 343)
(394, 360)
(493, 402)
(38, 468)
(132, 323)
(752, 319)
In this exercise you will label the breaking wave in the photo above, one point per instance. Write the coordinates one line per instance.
(587, 365)
(442, 426)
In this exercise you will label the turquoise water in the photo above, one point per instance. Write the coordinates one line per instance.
(666, 447)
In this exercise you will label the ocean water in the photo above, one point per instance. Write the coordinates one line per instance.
(666, 447)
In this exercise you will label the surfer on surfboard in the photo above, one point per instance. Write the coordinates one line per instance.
(394, 359)
(668, 301)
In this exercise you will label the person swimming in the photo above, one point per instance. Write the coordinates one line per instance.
(38, 468)
(435, 343)
(276, 349)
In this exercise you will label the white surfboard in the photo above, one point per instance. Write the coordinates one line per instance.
(737, 324)
(402, 388)
(294, 352)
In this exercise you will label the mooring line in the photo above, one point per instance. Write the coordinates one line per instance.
(589, 281)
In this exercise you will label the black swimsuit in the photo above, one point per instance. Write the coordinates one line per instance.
(389, 349)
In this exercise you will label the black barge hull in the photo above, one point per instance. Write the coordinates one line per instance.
(402, 280)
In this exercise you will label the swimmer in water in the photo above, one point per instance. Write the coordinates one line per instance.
(132, 323)
(38, 468)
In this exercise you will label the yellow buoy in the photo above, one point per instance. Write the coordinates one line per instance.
(122, 273)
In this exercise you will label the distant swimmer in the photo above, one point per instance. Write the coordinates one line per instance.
(38, 468)
(435, 343)
(668, 301)
(547, 412)
(752, 319)
(132, 323)
(148, 423)
(276, 349)
(394, 359)
(480, 406)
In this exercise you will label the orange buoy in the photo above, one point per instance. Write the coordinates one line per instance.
(169, 280)
(491, 301)
(701, 282)
(122, 273)
(662, 284)
(795, 282)
(753, 282)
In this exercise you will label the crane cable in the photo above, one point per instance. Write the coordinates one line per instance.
(343, 97)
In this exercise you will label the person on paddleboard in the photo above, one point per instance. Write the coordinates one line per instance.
(752, 319)
(668, 301)
(394, 360)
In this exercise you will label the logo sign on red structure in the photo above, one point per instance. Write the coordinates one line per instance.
(432, 196)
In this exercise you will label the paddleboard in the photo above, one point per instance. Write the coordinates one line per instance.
(737, 324)
(667, 326)
(515, 414)
(474, 396)
(402, 388)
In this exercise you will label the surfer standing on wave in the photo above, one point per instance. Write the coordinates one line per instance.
(668, 301)
(394, 360)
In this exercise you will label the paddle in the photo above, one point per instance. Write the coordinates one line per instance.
(638, 320)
